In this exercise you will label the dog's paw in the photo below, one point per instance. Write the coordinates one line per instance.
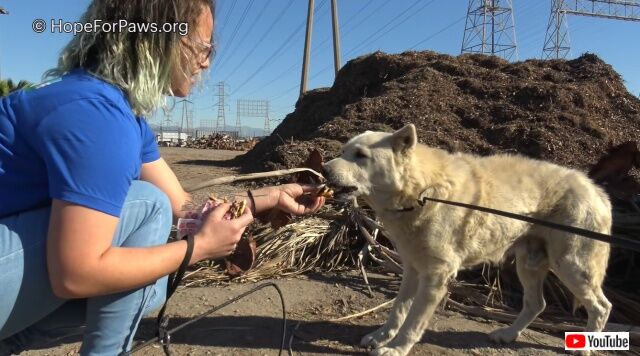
(377, 338)
(387, 351)
(503, 335)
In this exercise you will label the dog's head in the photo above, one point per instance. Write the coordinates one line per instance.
(370, 162)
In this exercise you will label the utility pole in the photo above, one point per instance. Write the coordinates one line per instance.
(307, 49)
(336, 35)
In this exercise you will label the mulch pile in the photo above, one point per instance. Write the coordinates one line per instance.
(567, 112)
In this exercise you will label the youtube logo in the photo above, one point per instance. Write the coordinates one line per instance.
(606, 340)
(575, 341)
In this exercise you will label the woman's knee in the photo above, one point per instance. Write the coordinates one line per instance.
(158, 296)
(147, 214)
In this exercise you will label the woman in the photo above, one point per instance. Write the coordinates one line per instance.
(86, 202)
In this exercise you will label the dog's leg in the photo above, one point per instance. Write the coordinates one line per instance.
(532, 280)
(431, 289)
(579, 279)
(399, 311)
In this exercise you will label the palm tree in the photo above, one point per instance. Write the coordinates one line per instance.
(7, 86)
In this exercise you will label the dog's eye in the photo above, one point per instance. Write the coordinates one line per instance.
(361, 154)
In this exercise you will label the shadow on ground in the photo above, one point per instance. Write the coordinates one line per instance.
(309, 336)
(262, 333)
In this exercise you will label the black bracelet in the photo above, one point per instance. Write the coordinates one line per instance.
(253, 202)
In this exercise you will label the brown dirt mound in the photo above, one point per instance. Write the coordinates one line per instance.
(567, 112)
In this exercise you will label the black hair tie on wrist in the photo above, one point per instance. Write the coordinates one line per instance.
(253, 202)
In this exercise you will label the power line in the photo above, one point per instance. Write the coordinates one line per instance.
(296, 63)
(438, 32)
(287, 91)
(369, 39)
(287, 42)
(246, 34)
(261, 39)
(366, 18)
(233, 5)
(243, 16)
(343, 35)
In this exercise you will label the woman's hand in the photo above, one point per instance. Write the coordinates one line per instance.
(291, 198)
(218, 237)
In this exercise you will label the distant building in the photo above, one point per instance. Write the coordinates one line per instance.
(171, 138)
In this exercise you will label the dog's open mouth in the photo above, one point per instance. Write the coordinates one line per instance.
(343, 191)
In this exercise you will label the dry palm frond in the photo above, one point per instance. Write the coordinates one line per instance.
(304, 245)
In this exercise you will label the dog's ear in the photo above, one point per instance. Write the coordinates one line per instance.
(404, 139)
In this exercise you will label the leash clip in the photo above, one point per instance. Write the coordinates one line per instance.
(422, 202)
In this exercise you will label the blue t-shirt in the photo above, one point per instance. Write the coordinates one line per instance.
(76, 140)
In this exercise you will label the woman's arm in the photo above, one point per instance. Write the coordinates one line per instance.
(291, 198)
(160, 174)
(82, 261)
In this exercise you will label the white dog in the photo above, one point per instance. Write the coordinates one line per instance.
(391, 171)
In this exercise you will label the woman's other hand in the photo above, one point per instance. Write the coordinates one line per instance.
(217, 236)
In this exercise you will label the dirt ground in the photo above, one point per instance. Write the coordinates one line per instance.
(252, 326)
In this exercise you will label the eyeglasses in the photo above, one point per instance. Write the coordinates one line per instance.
(206, 52)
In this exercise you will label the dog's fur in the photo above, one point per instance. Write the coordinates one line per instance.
(391, 171)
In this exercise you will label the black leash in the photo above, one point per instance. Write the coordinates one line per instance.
(164, 334)
(231, 301)
(619, 241)
(174, 281)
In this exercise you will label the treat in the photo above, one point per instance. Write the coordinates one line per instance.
(325, 191)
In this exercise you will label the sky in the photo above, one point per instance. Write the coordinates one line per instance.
(260, 44)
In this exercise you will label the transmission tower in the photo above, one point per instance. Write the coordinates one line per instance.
(490, 29)
(167, 117)
(556, 41)
(238, 122)
(267, 127)
(190, 123)
(221, 121)
(185, 125)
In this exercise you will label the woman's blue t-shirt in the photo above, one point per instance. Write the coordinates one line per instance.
(76, 140)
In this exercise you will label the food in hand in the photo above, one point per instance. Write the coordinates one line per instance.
(325, 191)
(192, 220)
(237, 207)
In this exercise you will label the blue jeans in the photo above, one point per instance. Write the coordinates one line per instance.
(32, 316)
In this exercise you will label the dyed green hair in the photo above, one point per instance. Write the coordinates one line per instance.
(138, 62)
